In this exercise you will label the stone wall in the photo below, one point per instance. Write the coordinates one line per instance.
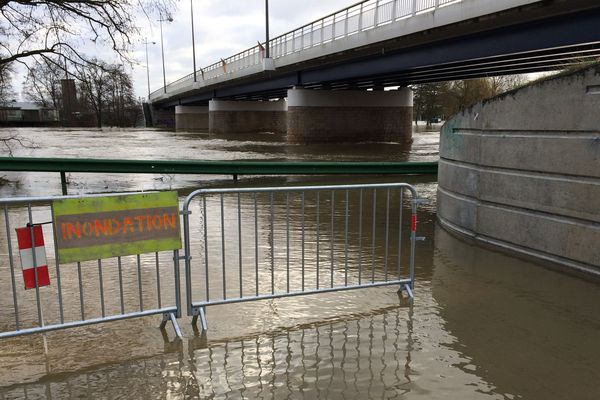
(522, 171)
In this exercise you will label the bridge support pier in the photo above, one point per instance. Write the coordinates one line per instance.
(163, 117)
(231, 116)
(191, 118)
(349, 116)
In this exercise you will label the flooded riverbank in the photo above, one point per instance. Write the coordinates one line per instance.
(483, 325)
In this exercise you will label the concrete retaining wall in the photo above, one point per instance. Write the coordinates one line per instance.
(226, 116)
(522, 171)
(349, 116)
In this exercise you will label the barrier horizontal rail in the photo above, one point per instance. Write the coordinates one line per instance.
(250, 249)
(67, 295)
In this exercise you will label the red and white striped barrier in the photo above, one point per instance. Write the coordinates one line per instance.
(26, 252)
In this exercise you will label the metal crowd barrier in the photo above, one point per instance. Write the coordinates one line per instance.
(246, 244)
(81, 293)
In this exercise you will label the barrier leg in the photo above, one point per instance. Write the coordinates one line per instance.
(171, 317)
(200, 312)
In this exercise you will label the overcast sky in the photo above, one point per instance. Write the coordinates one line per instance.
(222, 28)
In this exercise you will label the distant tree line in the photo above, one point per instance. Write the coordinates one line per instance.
(105, 95)
(444, 99)
(48, 36)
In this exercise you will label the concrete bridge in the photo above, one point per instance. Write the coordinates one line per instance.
(370, 45)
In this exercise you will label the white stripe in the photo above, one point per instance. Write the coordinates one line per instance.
(27, 257)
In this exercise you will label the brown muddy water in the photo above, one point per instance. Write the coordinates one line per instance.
(483, 325)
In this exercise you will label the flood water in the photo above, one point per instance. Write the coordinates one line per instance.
(483, 325)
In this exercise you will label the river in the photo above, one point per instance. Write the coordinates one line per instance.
(483, 325)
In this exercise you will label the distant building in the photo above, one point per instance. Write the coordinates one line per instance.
(27, 113)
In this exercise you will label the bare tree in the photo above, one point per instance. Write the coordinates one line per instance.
(42, 84)
(57, 27)
(107, 91)
(6, 90)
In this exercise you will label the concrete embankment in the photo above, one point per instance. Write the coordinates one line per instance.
(521, 171)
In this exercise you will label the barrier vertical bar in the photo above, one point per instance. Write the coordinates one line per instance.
(332, 232)
(101, 281)
(287, 239)
(35, 269)
(387, 233)
(413, 240)
(58, 280)
(401, 208)
(239, 215)
(187, 251)
(272, 245)
(121, 285)
(256, 243)
(318, 234)
(302, 228)
(223, 250)
(139, 269)
(373, 233)
(177, 277)
(360, 213)
(346, 241)
(81, 301)
(12, 267)
(158, 294)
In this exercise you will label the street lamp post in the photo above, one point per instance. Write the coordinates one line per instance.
(193, 38)
(162, 50)
(267, 28)
(148, 66)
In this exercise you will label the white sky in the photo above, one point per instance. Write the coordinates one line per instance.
(222, 28)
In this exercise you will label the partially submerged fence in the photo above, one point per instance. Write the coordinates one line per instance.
(264, 243)
(79, 293)
(240, 244)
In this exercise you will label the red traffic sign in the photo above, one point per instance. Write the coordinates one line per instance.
(33, 256)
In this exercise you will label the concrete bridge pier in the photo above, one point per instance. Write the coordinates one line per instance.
(191, 118)
(349, 116)
(163, 117)
(243, 116)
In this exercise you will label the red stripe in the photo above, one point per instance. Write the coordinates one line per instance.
(29, 277)
(413, 226)
(24, 237)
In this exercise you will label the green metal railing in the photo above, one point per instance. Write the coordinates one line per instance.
(235, 168)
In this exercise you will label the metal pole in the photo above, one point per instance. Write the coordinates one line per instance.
(162, 51)
(193, 38)
(147, 69)
(267, 55)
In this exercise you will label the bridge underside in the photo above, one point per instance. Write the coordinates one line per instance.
(533, 46)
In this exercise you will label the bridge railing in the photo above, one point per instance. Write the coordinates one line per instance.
(349, 21)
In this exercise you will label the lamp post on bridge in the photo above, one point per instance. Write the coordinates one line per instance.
(148, 66)
(193, 38)
(162, 50)
(267, 55)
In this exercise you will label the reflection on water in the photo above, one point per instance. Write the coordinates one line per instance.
(482, 326)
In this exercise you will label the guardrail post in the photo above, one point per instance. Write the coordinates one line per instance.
(437, 3)
(395, 10)
(333, 28)
(360, 18)
(376, 16)
(63, 182)
(322, 30)
(414, 7)
(346, 24)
